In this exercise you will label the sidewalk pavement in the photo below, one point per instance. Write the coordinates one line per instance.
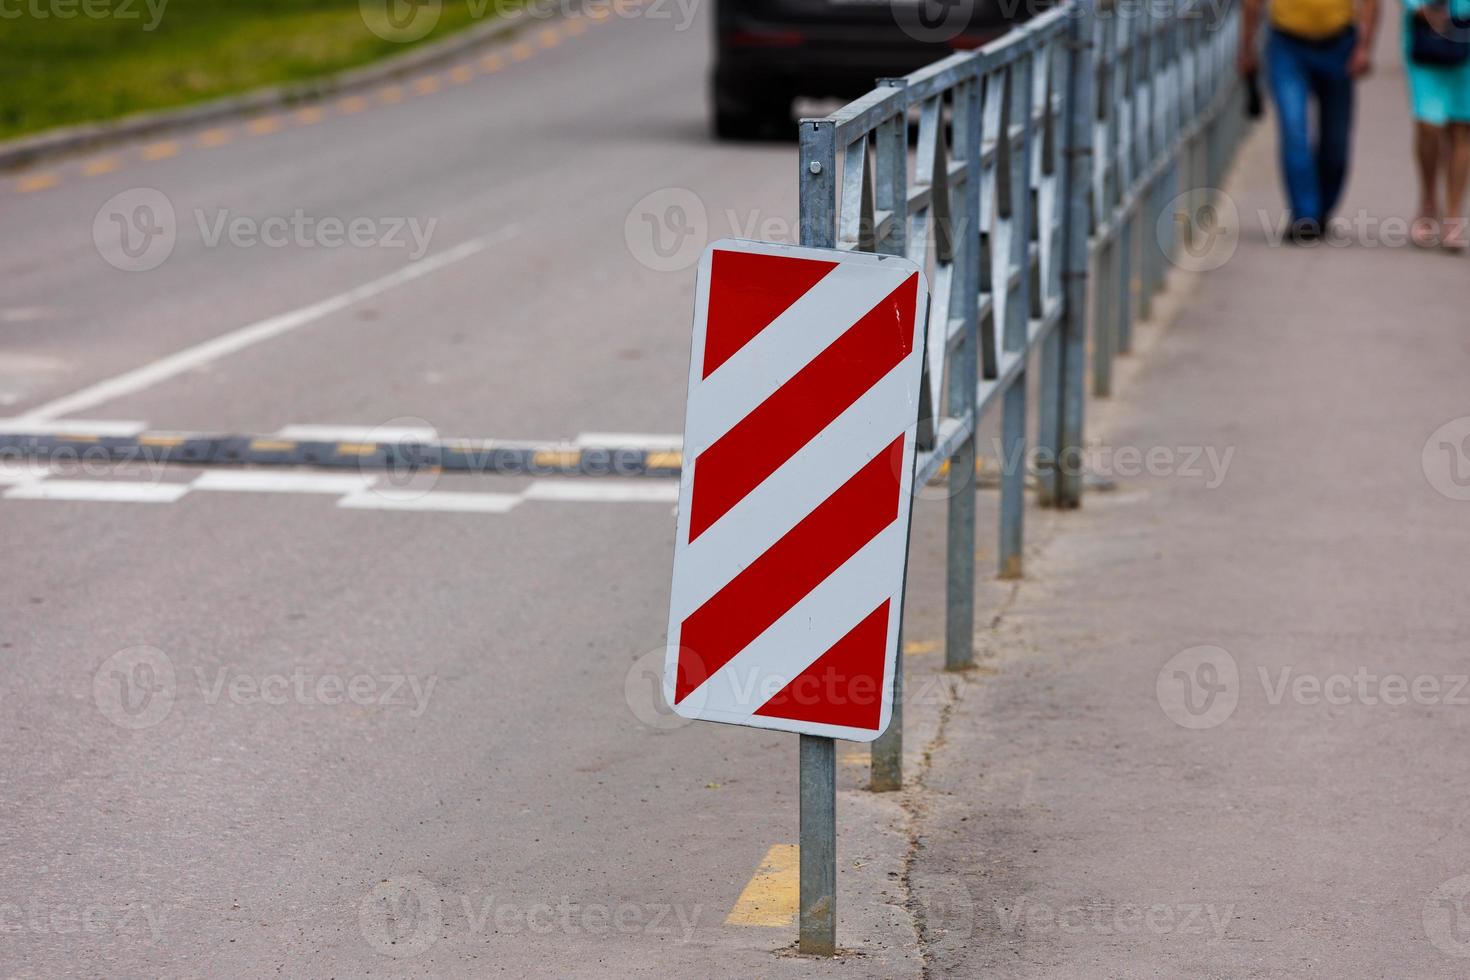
(1221, 727)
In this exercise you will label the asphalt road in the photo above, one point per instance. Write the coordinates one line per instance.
(353, 734)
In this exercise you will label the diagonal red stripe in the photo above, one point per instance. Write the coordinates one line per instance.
(844, 686)
(757, 445)
(747, 291)
(793, 566)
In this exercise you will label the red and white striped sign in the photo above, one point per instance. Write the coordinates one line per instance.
(794, 507)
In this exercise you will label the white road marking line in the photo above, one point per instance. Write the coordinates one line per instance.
(69, 427)
(192, 357)
(593, 491)
(267, 481)
(13, 472)
(357, 433)
(631, 440)
(441, 501)
(115, 491)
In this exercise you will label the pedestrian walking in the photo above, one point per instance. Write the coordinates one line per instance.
(1315, 52)
(1437, 62)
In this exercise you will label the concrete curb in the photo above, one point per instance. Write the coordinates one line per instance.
(27, 150)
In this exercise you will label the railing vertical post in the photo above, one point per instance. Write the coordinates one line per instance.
(885, 753)
(1105, 323)
(1076, 227)
(817, 926)
(1049, 400)
(1018, 315)
(964, 380)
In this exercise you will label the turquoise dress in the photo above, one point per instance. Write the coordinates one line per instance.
(1439, 94)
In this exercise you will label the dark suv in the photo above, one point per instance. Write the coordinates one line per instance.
(767, 52)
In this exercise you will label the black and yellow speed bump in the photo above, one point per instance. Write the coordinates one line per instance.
(464, 456)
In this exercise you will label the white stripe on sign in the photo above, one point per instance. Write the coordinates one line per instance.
(211, 350)
(442, 501)
(268, 481)
(789, 494)
(100, 490)
(771, 358)
(595, 491)
(120, 428)
(818, 621)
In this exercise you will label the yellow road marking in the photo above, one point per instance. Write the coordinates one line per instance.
(351, 104)
(36, 182)
(521, 51)
(161, 151)
(356, 448)
(855, 758)
(272, 445)
(492, 62)
(671, 460)
(547, 457)
(160, 440)
(574, 26)
(426, 86)
(598, 13)
(393, 93)
(96, 168)
(311, 114)
(770, 899)
(264, 125)
(549, 38)
(460, 74)
(920, 646)
(215, 137)
(79, 437)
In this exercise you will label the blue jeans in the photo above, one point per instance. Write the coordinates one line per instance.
(1314, 170)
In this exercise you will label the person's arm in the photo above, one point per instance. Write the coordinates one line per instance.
(1249, 59)
(1361, 62)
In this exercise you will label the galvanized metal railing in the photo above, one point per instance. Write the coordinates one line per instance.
(1000, 196)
